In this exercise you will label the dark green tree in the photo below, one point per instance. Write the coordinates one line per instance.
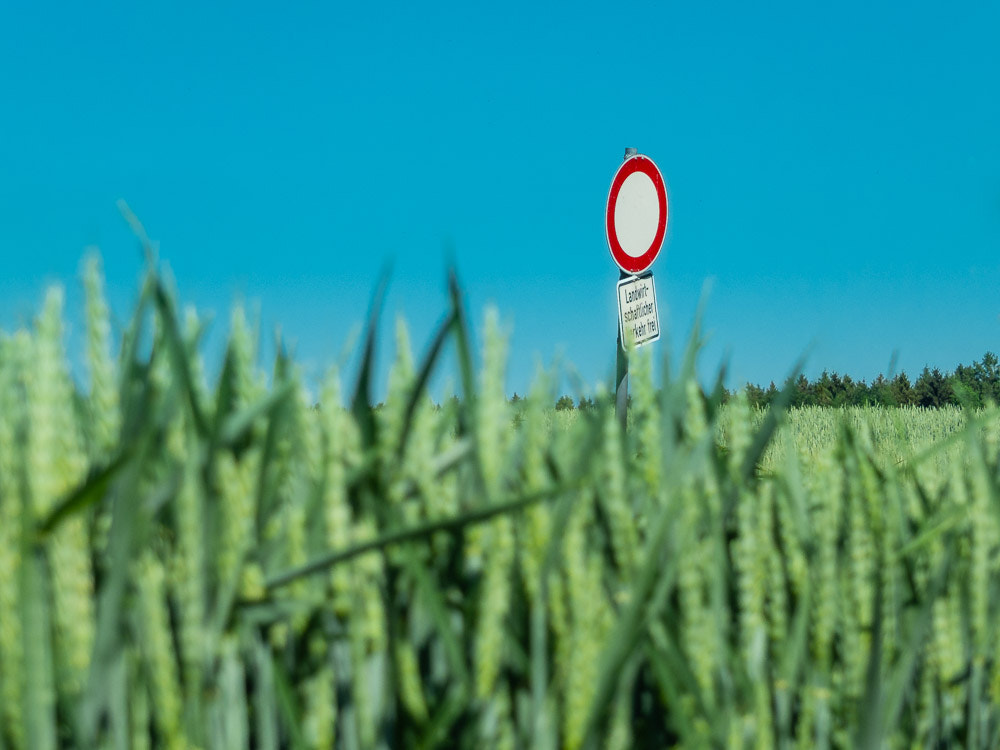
(771, 393)
(933, 389)
(803, 395)
(823, 390)
(755, 395)
(969, 385)
(982, 378)
(989, 368)
(880, 392)
(902, 391)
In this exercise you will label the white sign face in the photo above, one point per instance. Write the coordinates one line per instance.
(637, 214)
(638, 319)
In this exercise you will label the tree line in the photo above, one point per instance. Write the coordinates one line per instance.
(971, 386)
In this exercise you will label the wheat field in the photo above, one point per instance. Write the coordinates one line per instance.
(261, 562)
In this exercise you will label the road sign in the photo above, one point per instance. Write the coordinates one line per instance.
(637, 214)
(637, 316)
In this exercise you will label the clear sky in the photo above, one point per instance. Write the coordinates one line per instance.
(834, 169)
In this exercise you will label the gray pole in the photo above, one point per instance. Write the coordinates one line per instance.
(621, 378)
(621, 361)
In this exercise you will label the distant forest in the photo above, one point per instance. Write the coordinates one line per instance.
(972, 386)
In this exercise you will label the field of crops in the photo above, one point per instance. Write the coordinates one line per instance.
(256, 563)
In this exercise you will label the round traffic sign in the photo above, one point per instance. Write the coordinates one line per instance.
(637, 214)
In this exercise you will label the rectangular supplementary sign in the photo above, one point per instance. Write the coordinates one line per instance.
(637, 316)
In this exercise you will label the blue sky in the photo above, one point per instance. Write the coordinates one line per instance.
(834, 171)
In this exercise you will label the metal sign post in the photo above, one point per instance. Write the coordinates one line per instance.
(636, 223)
(621, 371)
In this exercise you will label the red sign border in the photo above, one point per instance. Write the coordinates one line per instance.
(636, 265)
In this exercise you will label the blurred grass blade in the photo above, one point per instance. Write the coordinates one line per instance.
(775, 415)
(463, 347)
(673, 674)
(657, 568)
(225, 392)
(419, 388)
(288, 706)
(267, 481)
(538, 634)
(899, 680)
(127, 529)
(177, 348)
(451, 457)
(118, 693)
(421, 531)
(131, 366)
(39, 708)
(91, 491)
(432, 597)
(361, 403)
(695, 342)
(443, 721)
(148, 248)
(265, 701)
(235, 428)
(870, 728)
(765, 433)
(718, 393)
